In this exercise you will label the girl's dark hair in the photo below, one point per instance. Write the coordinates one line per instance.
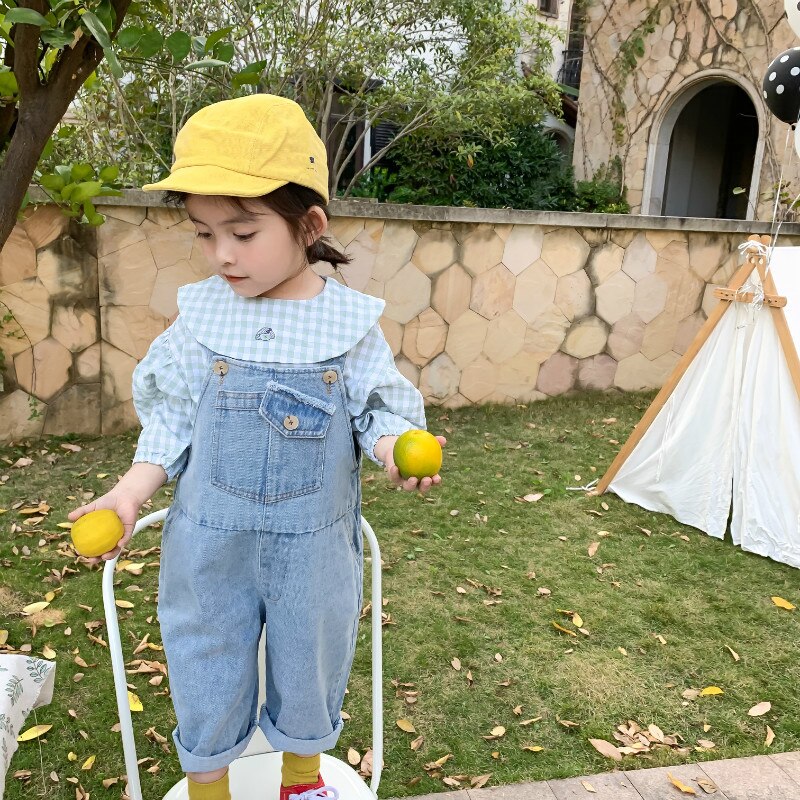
(292, 202)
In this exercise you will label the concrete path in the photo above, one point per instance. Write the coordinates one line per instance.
(758, 778)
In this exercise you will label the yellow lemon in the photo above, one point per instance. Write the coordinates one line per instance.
(97, 532)
(417, 454)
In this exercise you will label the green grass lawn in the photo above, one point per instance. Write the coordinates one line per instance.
(464, 572)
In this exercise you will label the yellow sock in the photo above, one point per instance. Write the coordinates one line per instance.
(299, 769)
(217, 790)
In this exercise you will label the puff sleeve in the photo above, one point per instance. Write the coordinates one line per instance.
(381, 401)
(165, 398)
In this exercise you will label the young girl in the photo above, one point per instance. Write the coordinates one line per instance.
(259, 399)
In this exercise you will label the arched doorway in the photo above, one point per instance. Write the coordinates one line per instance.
(706, 147)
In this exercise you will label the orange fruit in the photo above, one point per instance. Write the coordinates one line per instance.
(418, 454)
(97, 532)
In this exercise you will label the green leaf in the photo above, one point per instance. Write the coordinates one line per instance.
(26, 16)
(64, 171)
(55, 37)
(179, 44)
(241, 79)
(81, 172)
(53, 183)
(255, 67)
(199, 44)
(129, 37)
(105, 13)
(109, 174)
(8, 84)
(225, 52)
(92, 217)
(91, 80)
(84, 191)
(215, 37)
(96, 28)
(113, 63)
(47, 150)
(207, 62)
(150, 44)
(107, 191)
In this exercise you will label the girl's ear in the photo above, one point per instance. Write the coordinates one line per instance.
(316, 224)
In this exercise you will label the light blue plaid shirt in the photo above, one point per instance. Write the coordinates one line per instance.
(214, 320)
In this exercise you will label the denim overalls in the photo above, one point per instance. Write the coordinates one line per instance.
(264, 530)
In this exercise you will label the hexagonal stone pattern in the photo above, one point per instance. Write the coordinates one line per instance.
(565, 251)
(164, 296)
(131, 328)
(408, 370)
(546, 334)
(15, 412)
(67, 271)
(504, 337)
(17, 258)
(535, 291)
(424, 337)
(574, 295)
(517, 378)
(640, 258)
(650, 297)
(626, 337)
(407, 294)
(44, 224)
(492, 292)
(169, 246)
(87, 364)
(395, 249)
(114, 235)
(523, 247)
(393, 332)
(478, 379)
(117, 371)
(637, 372)
(75, 326)
(597, 373)
(688, 330)
(604, 262)
(127, 276)
(44, 369)
(614, 298)
(481, 251)
(75, 410)
(439, 379)
(345, 229)
(29, 302)
(586, 338)
(436, 250)
(451, 294)
(707, 251)
(659, 336)
(466, 337)
(557, 375)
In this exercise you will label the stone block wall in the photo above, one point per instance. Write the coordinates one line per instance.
(481, 305)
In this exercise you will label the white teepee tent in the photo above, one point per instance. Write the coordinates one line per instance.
(722, 438)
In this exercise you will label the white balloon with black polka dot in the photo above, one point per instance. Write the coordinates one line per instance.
(793, 13)
(781, 86)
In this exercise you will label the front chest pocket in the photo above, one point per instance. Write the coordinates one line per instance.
(269, 445)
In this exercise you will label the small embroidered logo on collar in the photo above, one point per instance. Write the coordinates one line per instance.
(265, 335)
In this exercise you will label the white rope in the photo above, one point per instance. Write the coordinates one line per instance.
(588, 488)
(753, 284)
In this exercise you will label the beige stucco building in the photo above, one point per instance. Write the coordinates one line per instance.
(673, 90)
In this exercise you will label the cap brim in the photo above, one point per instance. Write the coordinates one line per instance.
(212, 180)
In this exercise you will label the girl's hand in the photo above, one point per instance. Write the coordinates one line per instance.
(384, 449)
(127, 507)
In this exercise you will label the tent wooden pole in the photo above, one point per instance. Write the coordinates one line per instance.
(784, 334)
(668, 388)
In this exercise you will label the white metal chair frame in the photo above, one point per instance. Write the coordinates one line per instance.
(120, 682)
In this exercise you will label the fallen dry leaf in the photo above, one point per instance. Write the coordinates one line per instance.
(770, 737)
(710, 691)
(33, 733)
(456, 664)
(593, 549)
(781, 603)
(406, 725)
(733, 653)
(562, 629)
(417, 743)
(353, 757)
(479, 780)
(606, 749)
(682, 786)
(533, 748)
(760, 709)
(706, 785)
(588, 786)
(89, 763)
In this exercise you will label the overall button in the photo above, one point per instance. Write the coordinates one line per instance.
(220, 368)
(330, 376)
(290, 422)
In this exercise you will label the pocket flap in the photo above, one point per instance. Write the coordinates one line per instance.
(280, 403)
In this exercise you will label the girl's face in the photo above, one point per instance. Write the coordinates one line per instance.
(255, 252)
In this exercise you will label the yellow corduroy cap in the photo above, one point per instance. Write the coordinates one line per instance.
(247, 147)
